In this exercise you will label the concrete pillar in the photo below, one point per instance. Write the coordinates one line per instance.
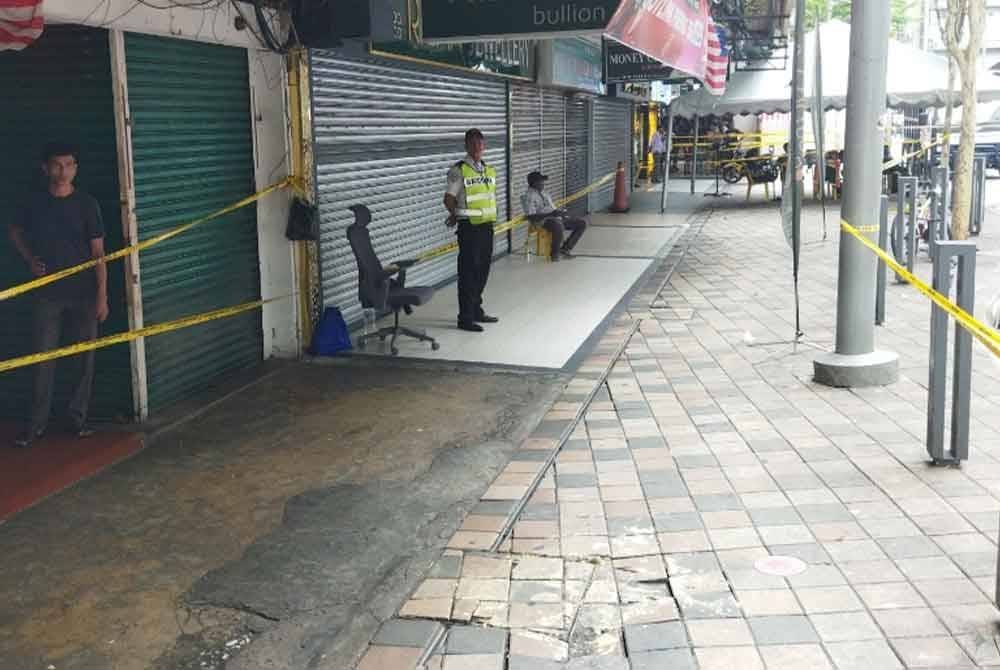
(856, 361)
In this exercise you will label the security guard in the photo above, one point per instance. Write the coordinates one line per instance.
(471, 200)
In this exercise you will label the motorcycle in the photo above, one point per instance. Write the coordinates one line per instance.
(749, 163)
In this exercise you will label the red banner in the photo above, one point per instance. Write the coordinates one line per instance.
(673, 32)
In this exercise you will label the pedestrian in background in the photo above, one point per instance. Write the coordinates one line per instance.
(59, 228)
(658, 146)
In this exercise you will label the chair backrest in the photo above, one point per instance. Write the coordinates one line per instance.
(373, 286)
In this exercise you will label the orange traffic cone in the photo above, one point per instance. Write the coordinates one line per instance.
(620, 205)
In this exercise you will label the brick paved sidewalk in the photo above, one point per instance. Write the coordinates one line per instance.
(716, 509)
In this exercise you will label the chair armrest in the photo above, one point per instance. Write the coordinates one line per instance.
(409, 263)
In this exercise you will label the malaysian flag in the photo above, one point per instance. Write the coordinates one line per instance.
(718, 59)
(21, 23)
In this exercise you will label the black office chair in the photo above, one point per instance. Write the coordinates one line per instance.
(376, 287)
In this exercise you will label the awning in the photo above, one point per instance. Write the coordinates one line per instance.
(915, 77)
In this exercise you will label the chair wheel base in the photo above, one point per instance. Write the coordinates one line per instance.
(435, 346)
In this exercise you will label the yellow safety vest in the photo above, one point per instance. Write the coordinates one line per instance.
(480, 194)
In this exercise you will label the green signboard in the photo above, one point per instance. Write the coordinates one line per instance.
(514, 58)
(469, 20)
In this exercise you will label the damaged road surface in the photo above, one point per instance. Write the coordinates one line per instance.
(276, 530)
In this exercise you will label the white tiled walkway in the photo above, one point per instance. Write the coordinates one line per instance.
(547, 310)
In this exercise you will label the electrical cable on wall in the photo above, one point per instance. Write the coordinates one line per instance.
(267, 32)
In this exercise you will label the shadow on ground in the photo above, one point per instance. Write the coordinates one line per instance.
(274, 531)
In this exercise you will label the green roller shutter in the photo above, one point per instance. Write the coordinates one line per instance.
(60, 88)
(193, 154)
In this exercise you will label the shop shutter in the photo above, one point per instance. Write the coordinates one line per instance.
(554, 142)
(193, 154)
(385, 135)
(68, 65)
(577, 150)
(526, 113)
(612, 136)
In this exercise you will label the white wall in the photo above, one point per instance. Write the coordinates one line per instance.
(277, 269)
(268, 89)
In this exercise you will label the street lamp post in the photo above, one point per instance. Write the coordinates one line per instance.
(856, 361)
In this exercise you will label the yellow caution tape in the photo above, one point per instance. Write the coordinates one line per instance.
(988, 336)
(20, 289)
(158, 329)
(518, 220)
(913, 154)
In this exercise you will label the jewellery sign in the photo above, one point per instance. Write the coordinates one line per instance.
(468, 20)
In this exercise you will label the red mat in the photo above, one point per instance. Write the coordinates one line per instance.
(53, 463)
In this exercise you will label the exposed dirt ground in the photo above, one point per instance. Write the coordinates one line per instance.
(259, 529)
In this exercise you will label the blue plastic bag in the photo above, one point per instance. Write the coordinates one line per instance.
(331, 336)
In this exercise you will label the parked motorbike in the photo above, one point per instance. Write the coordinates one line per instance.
(760, 169)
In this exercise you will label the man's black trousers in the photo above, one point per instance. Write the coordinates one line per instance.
(475, 254)
(81, 325)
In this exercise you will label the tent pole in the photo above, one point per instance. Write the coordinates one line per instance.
(666, 160)
(694, 152)
(855, 361)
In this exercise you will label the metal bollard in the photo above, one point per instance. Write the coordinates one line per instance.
(880, 277)
(978, 210)
(904, 228)
(943, 253)
(940, 208)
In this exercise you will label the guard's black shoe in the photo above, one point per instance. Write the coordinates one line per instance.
(27, 438)
(486, 318)
(471, 327)
(83, 431)
(566, 254)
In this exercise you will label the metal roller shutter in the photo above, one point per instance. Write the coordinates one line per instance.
(385, 135)
(68, 65)
(554, 142)
(193, 154)
(577, 150)
(612, 136)
(526, 113)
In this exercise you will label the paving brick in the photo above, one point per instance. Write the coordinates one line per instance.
(476, 640)
(719, 632)
(826, 599)
(931, 652)
(845, 626)
(769, 602)
(675, 659)
(782, 630)
(727, 658)
(892, 595)
(795, 657)
(864, 655)
(656, 636)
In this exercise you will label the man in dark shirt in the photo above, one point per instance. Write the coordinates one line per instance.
(59, 228)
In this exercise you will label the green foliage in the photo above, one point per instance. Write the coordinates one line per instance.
(903, 11)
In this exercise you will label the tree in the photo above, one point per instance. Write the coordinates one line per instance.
(902, 12)
(962, 29)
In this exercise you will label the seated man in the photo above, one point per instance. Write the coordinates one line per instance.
(539, 208)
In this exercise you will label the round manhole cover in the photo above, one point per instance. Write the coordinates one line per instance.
(780, 566)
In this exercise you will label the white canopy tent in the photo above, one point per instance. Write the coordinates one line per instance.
(915, 77)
